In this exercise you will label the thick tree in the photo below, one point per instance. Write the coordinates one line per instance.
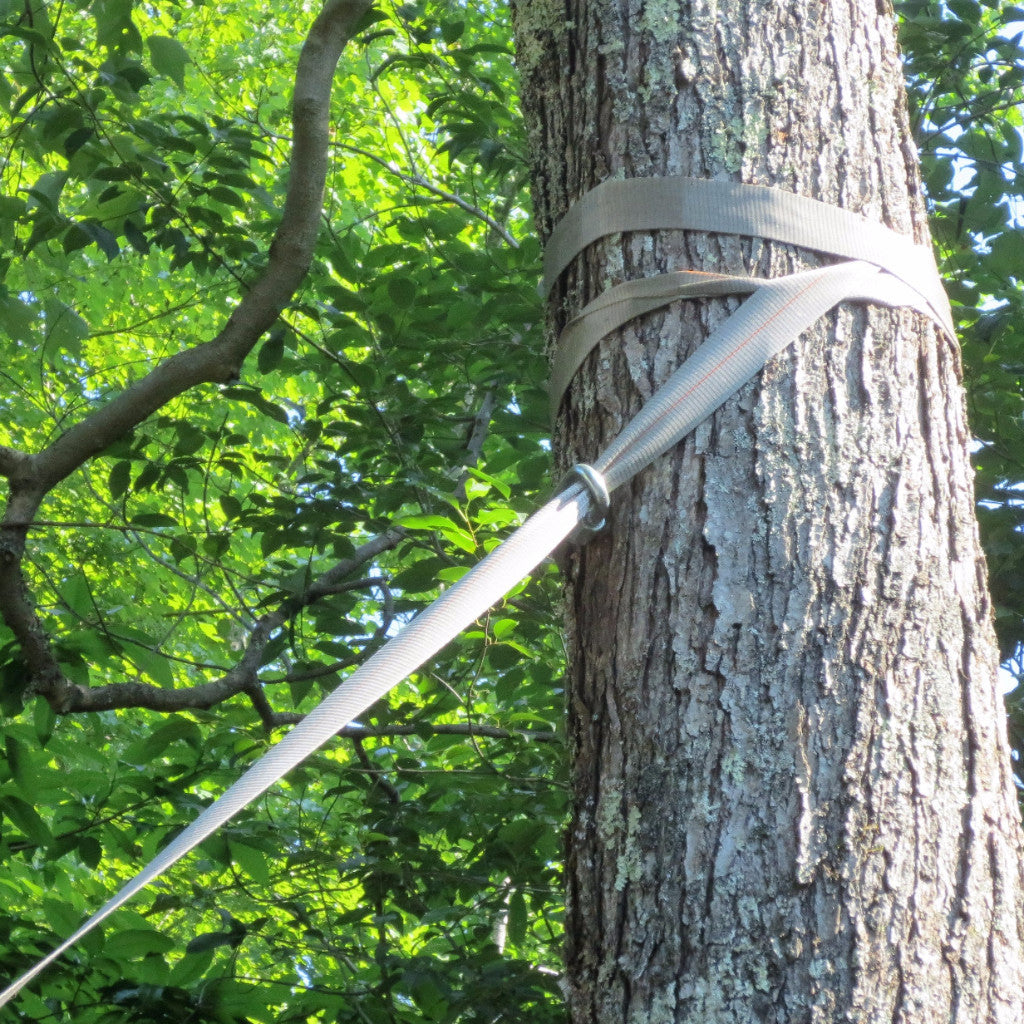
(792, 800)
(197, 544)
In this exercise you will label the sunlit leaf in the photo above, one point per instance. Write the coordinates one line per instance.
(169, 58)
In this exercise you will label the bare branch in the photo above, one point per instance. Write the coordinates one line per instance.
(324, 583)
(262, 706)
(363, 732)
(376, 774)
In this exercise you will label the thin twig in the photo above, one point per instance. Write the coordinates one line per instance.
(282, 718)
(428, 186)
(376, 774)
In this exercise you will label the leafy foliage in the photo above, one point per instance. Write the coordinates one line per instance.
(382, 435)
(410, 873)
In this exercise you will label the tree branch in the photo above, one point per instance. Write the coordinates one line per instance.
(376, 774)
(433, 728)
(12, 462)
(291, 253)
(67, 697)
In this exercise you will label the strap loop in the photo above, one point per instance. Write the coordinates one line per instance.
(909, 278)
(732, 208)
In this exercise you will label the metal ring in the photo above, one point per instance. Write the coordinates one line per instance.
(595, 484)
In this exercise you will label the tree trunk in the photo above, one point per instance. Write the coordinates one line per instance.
(793, 800)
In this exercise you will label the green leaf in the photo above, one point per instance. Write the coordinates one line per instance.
(151, 519)
(275, 412)
(169, 58)
(419, 577)
(19, 763)
(966, 10)
(75, 593)
(43, 720)
(29, 35)
(517, 917)
(271, 352)
(252, 861)
(149, 747)
(230, 506)
(134, 943)
(503, 627)
(47, 189)
(1008, 253)
(211, 940)
(402, 291)
(190, 439)
(105, 240)
(65, 329)
(451, 31)
(425, 522)
(114, 26)
(500, 486)
(25, 817)
(90, 851)
(151, 663)
(77, 139)
(17, 318)
(119, 478)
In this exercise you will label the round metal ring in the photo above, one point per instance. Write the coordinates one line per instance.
(598, 489)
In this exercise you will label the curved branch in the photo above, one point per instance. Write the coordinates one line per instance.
(291, 253)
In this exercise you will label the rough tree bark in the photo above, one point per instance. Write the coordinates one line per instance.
(792, 793)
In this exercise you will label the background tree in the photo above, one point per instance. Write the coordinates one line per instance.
(791, 794)
(389, 427)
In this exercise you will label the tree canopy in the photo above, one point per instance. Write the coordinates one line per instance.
(197, 580)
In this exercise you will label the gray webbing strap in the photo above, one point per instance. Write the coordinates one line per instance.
(765, 324)
(727, 207)
(460, 605)
(776, 313)
(624, 302)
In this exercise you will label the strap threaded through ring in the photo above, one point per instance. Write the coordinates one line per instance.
(598, 489)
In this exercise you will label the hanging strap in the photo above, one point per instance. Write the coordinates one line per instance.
(774, 315)
(434, 627)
